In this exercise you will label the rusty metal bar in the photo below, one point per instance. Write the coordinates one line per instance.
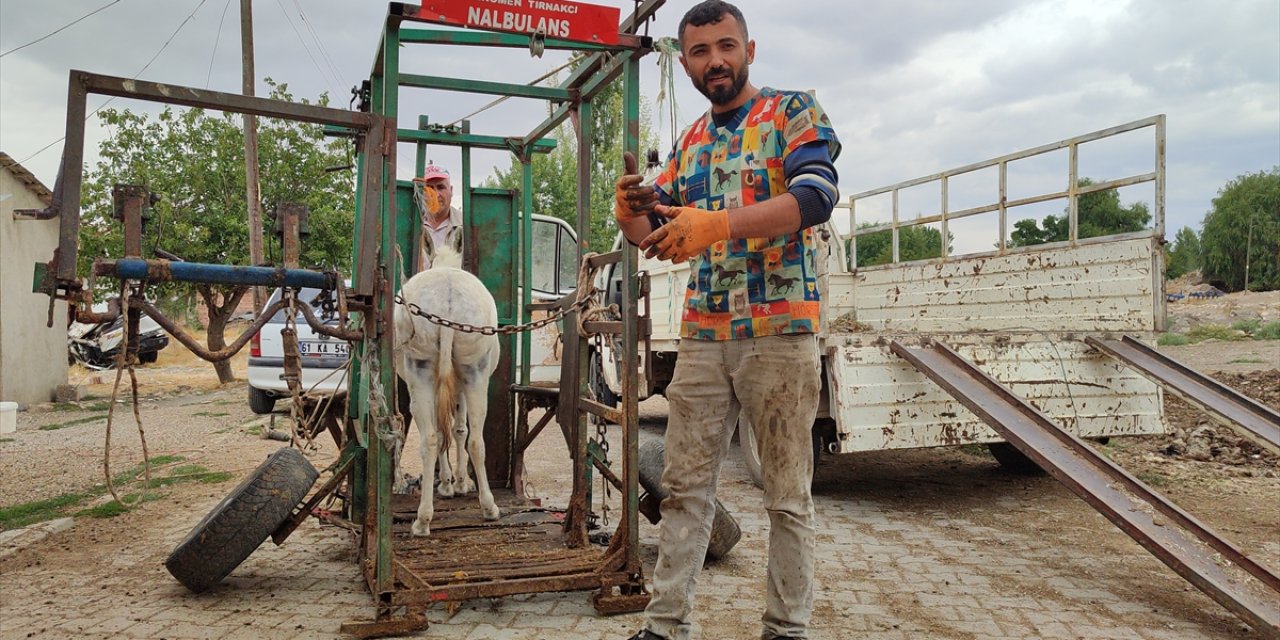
(1123, 499)
(604, 259)
(1251, 419)
(601, 410)
(496, 589)
(597, 460)
(533, 434)
(200, 350)
(218, 100)
(615, 326)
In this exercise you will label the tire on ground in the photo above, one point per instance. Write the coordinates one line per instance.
(725, 531)
(1012, 460)
(239, 524)
(261, 402)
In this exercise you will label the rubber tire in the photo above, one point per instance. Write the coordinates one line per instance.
(261, 402)
(595, 379)
(149, 357)
(242, 521)
(1012, 460)
(751, 452)
(725, 532)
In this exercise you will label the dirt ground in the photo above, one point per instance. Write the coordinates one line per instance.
(1220, 479)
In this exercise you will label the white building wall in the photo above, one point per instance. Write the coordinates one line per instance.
(33, 357)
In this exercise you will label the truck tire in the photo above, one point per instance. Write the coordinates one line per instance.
(725, 532)
(1012, 460)
(239, 524)
(261, 402)
(751, 451)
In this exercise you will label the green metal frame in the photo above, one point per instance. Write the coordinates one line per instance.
(399, 235)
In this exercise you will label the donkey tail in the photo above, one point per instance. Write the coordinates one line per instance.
(446, 387)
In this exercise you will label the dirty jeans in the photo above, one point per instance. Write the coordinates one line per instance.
(774, 381)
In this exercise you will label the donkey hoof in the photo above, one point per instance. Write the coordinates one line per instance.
(463, 487)
(420, 529)
(446, 489)
(492, 513)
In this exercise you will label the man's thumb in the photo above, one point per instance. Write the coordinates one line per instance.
(629, 164)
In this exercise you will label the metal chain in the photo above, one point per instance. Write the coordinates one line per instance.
(483, 330)
(584, 303)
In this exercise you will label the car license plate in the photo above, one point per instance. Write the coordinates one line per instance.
(325, 348)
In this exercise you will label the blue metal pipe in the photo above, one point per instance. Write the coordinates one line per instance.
(168, 271)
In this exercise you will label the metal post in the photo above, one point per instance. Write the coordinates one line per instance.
(631, 340)
(526, 263)
(1073, 195)
(573, 368)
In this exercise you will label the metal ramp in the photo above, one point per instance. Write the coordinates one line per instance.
(1212, 564)
(1250, 419)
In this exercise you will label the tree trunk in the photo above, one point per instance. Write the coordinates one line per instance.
(219, 314)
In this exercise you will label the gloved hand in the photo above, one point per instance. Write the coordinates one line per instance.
(631, 199)
(689, 232)
(432, 201)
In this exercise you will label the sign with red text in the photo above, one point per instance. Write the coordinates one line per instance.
(563, 19)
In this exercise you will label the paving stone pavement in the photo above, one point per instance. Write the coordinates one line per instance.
(885, 572)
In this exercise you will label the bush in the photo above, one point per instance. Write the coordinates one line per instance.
(1213, 332)
(1248, 326)
(1172, 339)
(1268, 331)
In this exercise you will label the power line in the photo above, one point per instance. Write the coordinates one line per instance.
(59, 29)
(135, 77)
(333, 81)
(324, 53)
(216, 40)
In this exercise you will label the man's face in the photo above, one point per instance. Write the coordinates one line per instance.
(716, 57)
(445, 189)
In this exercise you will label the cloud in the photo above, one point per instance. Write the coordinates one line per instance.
(913, 87)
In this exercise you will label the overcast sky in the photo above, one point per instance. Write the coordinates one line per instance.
(913, 87)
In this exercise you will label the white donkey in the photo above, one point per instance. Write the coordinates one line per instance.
(434, 361)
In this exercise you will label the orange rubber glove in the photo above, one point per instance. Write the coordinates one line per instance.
(631, 199)
(688, 233)
(432, 202)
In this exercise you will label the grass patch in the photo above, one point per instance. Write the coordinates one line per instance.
(1268, 331)
(1172, 339)
(1247, 361)
(72, 423)
(21, 515)
(72, 503)
(1213, 332)
(4, 440)
(210, 414)
(255, 430)
(1247, 326)
(1153, 479)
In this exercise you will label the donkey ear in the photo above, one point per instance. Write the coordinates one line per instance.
(428, 248)
(455, 240)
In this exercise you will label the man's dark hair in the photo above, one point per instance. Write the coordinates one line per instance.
(710, 12)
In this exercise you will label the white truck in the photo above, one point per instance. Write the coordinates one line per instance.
(1019, 313)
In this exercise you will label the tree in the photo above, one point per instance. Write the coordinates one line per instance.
(1240, 238)
(195, 161)
(555, 174)
(1099, 214)
(1183, 255)
(914, 243)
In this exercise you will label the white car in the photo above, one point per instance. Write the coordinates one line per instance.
(324, 359)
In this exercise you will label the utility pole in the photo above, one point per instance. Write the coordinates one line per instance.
(251, 150)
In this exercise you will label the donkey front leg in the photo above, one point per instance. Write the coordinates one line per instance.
(477, 408)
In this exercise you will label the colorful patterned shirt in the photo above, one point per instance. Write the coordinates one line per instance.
(750, 287)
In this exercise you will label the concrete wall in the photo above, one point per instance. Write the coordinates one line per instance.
(33, 357)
